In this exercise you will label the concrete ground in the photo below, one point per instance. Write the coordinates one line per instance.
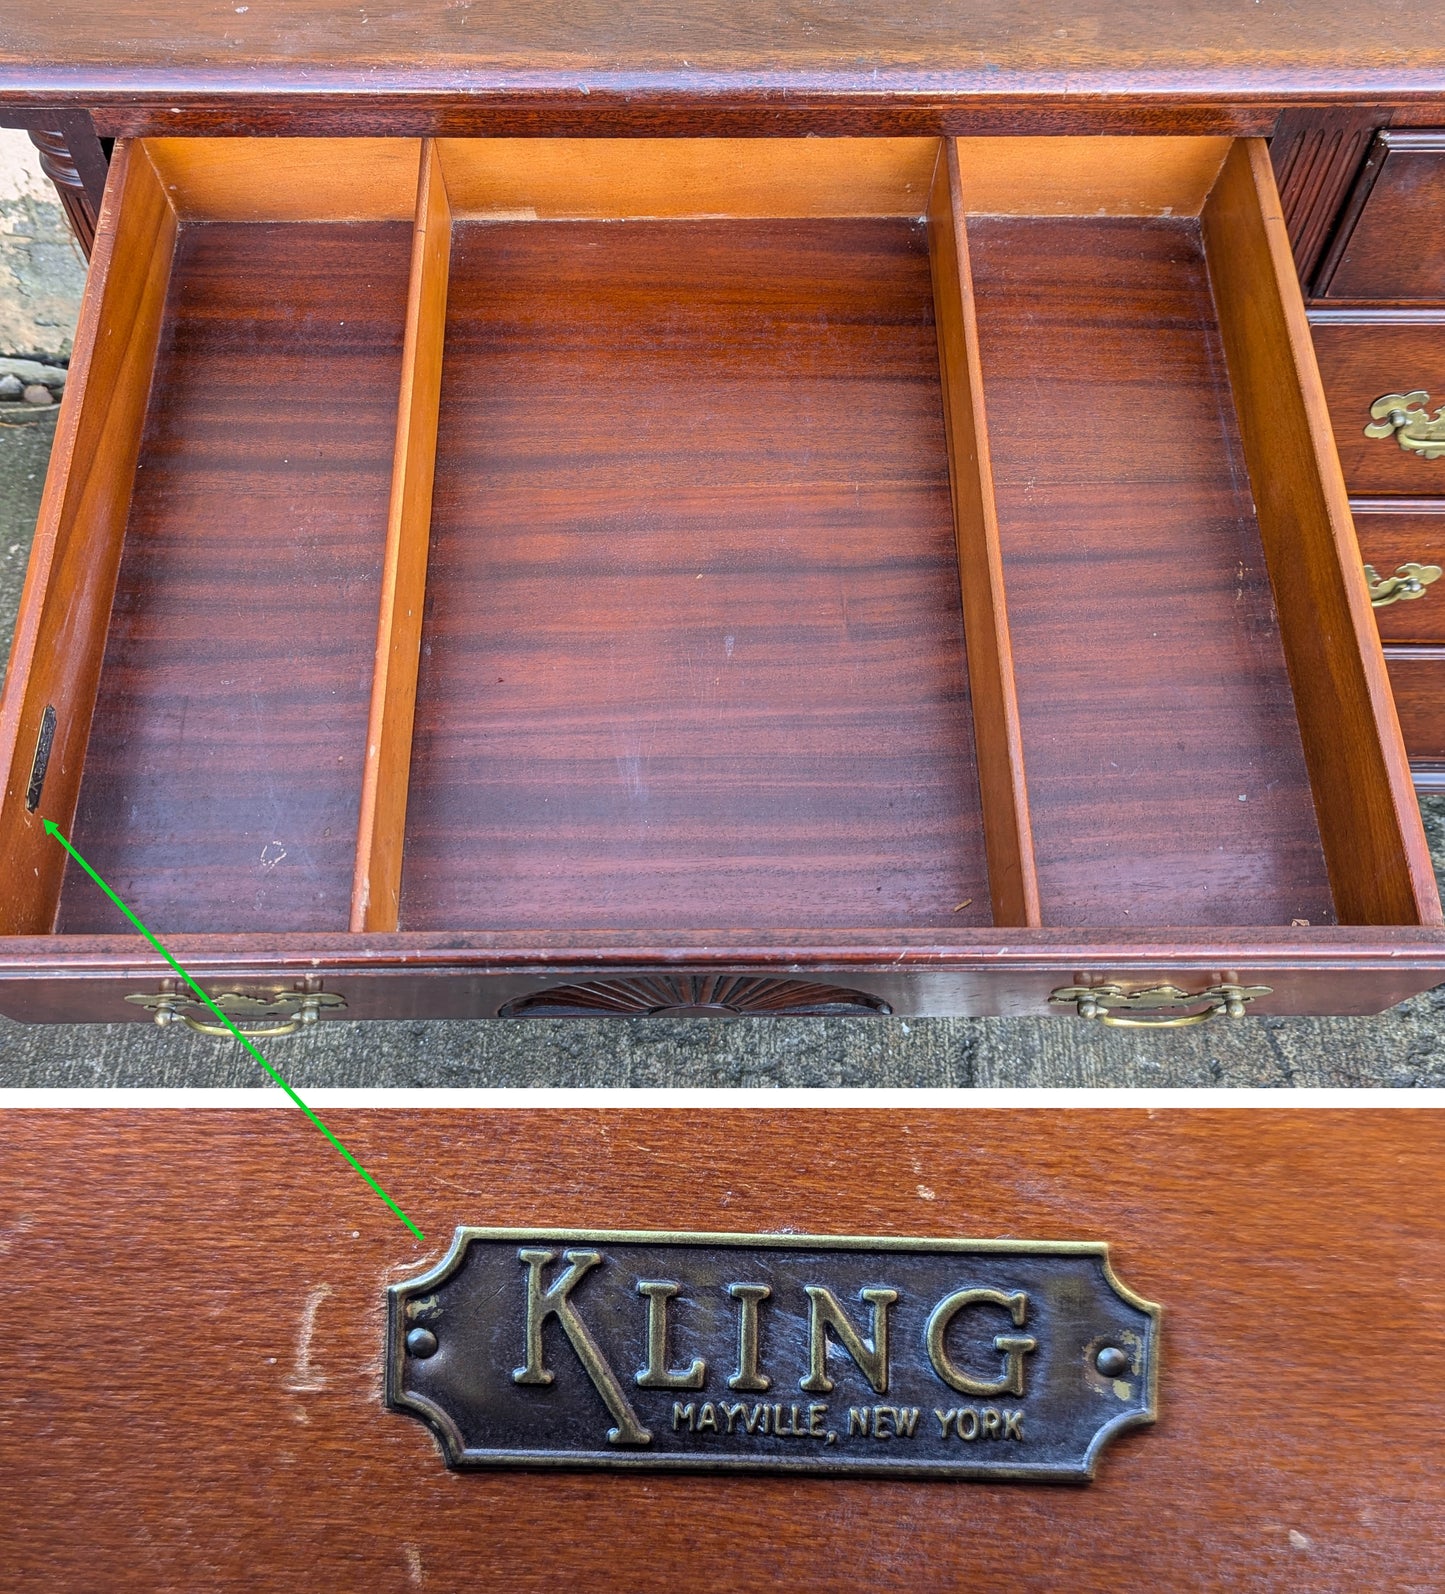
(39, 286)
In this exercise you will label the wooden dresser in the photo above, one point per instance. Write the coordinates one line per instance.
(196, 1322)
(734, 512)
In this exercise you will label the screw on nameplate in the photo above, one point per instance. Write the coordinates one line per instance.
(773, 1353)
(41, 762)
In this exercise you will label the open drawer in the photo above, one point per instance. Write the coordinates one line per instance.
(823, 575)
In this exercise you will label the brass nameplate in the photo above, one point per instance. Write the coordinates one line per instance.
(783, 1353)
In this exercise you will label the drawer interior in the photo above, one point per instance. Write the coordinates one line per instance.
(226, 749)
(557, 535)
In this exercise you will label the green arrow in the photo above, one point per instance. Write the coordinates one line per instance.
(52, 829)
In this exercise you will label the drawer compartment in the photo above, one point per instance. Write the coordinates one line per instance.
(1391, 244)
(565, 555)
(1365, 358)
(1398, 532)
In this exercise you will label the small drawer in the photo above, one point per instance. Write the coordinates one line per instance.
(1392, 538)
(1390, 246)
(1365, 358)
(703, 575)
(1417, 677)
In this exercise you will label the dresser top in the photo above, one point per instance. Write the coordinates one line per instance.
(773, 56)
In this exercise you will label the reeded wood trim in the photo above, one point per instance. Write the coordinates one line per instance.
(1374, 846)
(1317, 155)
(65, 608)
(1008, 836)
(381, 831)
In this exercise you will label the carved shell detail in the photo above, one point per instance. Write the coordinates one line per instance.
(700, 995)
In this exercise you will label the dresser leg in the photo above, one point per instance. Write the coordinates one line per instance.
(75, 161)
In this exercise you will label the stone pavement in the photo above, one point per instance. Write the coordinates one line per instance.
(1405, 1047)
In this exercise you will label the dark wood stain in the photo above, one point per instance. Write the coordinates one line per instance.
(1360, 361)
(1395, 250)
(1417, 678)
(1415, 536)
(1152, 684)
(223, 773)
(194, 1320)
(694, 650)
(330, 56)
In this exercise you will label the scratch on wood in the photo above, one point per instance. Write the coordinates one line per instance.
(308, 1378)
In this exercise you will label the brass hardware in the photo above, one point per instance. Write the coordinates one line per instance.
(1409, 581)
(294, 1010)
(1111, 1004)
(666, 1351)
(1403, 416)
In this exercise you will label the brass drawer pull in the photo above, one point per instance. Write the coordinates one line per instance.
(271, 1016)
(1409, 581)
(1113, 1005)
(1403, 416)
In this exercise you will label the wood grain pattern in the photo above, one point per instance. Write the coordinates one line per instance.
(552, 179)
(381, 826)
(978, 972)
(194, 1309)
(1008, 835)
(315, 50)
(1417, 680)
(298, 179)
(1389, 537)
(1391, 245)
(1089, 176)
(607, 179)
(1363, 356)
(678, 111)
(223, 773)
(1151, 682)
(694, 651)
(1379, 864)
(60, 633)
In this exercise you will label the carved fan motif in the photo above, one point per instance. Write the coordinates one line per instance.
(699, 995)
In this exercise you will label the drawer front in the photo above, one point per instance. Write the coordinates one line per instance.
(894, 728)
(230, 1371)
(1392, 241)
(1417, 677)
(1361, 361)
(1327, 970)
(1390, 541)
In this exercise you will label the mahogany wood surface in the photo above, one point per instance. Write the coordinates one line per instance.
(224, 769)
(873, 60)
(754, 405)
(693, 653)
(1317, 153)
(1390, 244)
(1151, 681)
(1013, 878)
(1390, 537)
(1379, 864)
(381, 826)
(455, 974)
(194, 1310)
(1363, 356)
(1417, 678)
(55, 658)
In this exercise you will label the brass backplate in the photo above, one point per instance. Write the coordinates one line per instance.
(771, 1352)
